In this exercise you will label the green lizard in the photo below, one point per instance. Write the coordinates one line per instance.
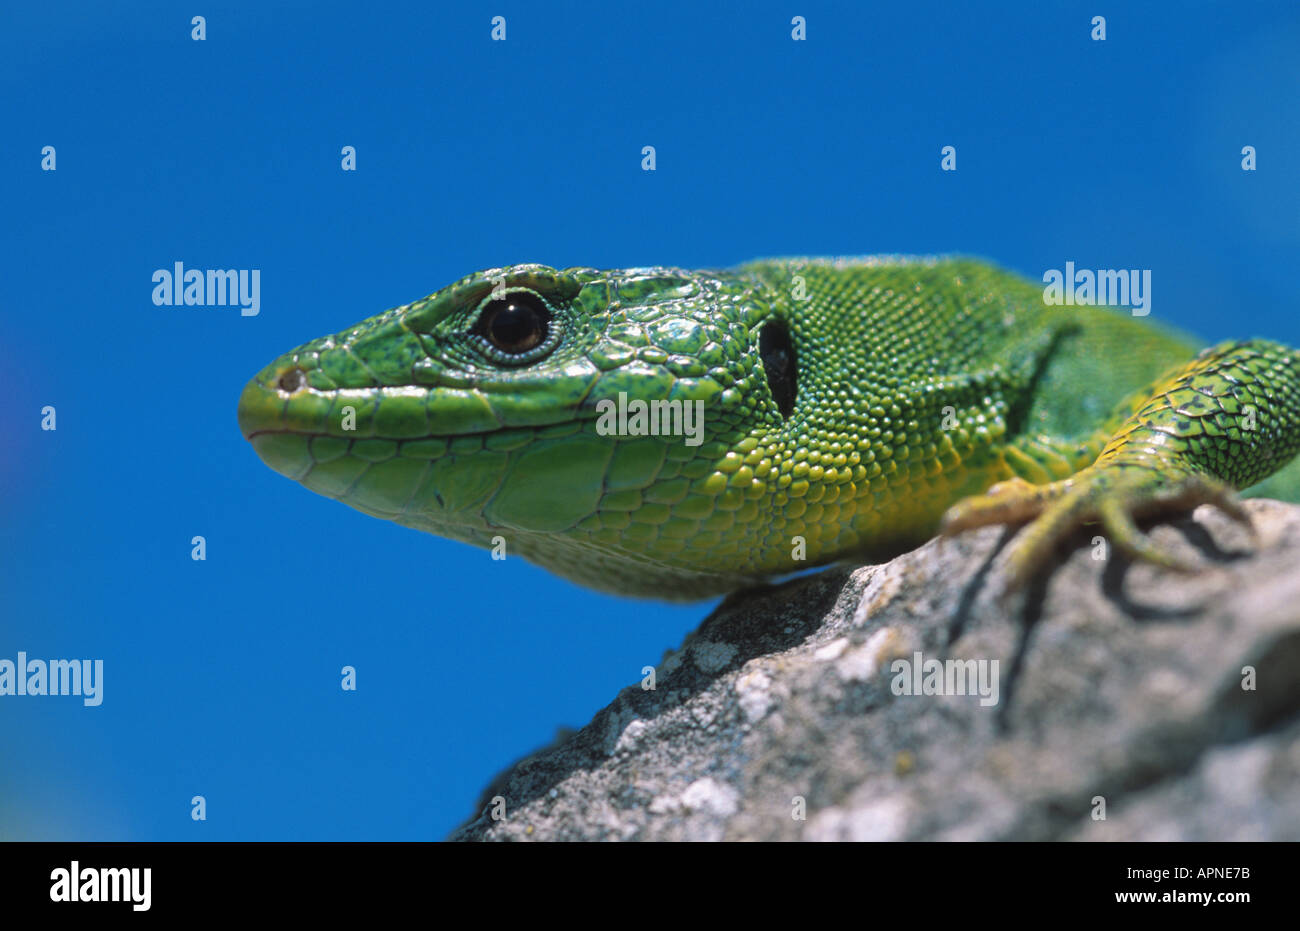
(849, 408)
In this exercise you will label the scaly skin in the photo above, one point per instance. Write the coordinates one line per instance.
(917, 386)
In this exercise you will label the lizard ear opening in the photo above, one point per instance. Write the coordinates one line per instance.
(779, 364)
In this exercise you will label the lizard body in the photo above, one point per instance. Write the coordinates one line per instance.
(849, 408)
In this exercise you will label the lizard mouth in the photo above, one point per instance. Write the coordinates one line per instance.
(291, 426)
(264, 409)
(406, 468)
(258, 414)
(288, 407)
(280, 401)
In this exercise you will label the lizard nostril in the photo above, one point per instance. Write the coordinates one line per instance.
(292, 380)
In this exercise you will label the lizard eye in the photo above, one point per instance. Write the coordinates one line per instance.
(516, 323)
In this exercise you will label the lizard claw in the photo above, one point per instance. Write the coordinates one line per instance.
(1114, 494)
(1011, 502)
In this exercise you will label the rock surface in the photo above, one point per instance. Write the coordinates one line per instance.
(1120, 690)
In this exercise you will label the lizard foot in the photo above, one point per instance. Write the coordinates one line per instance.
(1114, 494)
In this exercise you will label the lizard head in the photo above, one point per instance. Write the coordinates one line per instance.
(611, 426)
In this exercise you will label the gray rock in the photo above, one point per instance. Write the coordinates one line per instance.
(1120, 690)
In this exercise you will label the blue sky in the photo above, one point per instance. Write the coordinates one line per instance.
(221, 677)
